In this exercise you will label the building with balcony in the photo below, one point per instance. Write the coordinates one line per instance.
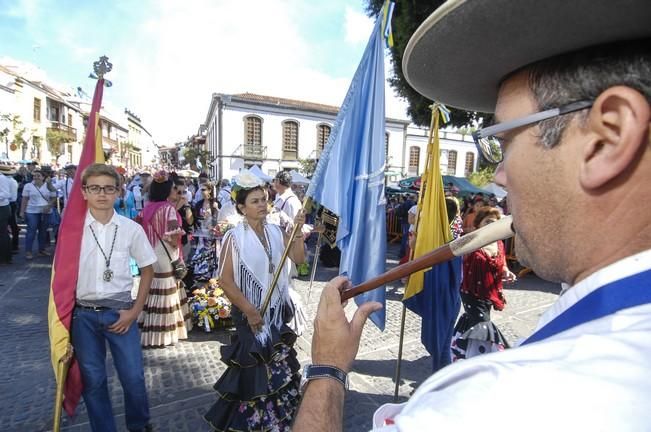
(46, 122)
(275, 133)
(141, 150)
(39, 121)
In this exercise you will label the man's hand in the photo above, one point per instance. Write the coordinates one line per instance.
(121, 326)
(336, 341)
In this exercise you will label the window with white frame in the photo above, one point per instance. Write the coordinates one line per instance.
(290, 139)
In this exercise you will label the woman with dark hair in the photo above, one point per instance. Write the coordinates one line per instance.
(456, 224)
(481, 289)
(259, 390)
(165, 318)
(204, 258)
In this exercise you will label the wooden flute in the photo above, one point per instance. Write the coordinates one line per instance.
(499, 230)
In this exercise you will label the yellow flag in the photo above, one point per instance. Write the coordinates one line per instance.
(432, 227)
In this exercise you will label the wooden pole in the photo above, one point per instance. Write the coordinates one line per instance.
(62, 374)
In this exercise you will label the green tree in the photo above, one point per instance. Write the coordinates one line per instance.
(407, 16)
(17, 135)
(307, 166)
(56, 138)
(191, 154)
(482, 177)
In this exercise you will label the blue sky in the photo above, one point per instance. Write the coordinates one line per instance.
(170, 56)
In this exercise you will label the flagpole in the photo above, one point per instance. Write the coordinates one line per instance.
(423, 185)
(62, 371)
(317, 252)
(279, 268)
(100, 68)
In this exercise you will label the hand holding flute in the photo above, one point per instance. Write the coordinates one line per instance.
(336, 340)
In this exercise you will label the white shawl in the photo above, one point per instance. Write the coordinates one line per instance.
(251, 270)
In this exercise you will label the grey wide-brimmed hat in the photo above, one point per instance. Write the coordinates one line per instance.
(461, 53)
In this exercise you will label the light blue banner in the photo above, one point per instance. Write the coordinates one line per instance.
(349, 178)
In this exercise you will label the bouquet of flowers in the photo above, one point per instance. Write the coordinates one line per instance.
(210, 307)
(221, 228)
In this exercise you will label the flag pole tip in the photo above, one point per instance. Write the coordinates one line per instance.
(101, 67)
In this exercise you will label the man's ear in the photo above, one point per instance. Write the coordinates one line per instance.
(618, 129)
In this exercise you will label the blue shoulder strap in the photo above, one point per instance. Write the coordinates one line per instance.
(622, 294)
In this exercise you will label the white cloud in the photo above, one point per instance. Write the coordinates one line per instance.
(358, 26)
(184, 54)
(167, 65)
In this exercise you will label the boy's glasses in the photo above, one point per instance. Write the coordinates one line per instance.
(96, 189)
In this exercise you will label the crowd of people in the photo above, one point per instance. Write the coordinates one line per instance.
(148, 241)
(572, 139)
(484, 271)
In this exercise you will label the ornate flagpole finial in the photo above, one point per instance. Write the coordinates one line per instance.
(100, 68)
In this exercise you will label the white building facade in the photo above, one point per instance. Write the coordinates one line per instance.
(46, 123)
(276, 133)
(40, 123)
(142, 150)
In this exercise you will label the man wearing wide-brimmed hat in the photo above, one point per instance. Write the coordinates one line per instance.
(570, 85)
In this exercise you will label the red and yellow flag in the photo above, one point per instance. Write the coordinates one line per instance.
(66, 265)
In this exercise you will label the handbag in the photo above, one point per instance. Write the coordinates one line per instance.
(179, 268)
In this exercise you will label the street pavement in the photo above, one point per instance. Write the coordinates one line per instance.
(180, 378)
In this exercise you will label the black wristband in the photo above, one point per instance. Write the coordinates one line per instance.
(317, 371)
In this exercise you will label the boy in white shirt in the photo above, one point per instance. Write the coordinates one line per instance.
(105, 311)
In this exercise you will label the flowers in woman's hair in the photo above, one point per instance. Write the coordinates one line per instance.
(160, 176)
(246, 180)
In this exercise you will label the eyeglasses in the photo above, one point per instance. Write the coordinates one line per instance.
(490, 146)
(96, 189)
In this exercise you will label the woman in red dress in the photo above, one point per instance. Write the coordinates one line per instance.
(481, 289)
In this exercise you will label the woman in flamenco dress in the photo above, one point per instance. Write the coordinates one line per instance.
(260, 388)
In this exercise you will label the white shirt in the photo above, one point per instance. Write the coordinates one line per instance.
(13, 189)
(139, 197)
(6, 188)
(287, 206)
(38, 197)
(224, 196)
(595, 376)
(65, 188)
(198, 194)
(130, 242)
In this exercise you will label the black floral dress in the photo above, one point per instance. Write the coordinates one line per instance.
(260, 389)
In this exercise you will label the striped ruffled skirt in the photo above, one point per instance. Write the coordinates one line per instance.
(165, 317)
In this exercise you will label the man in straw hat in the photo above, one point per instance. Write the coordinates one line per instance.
(570, 85)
